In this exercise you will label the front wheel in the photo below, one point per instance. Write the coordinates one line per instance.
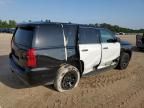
(67, 78)
(124, 61)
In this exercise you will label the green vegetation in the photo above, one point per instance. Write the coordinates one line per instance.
(7, 24)
(114, 28)
(117, 29)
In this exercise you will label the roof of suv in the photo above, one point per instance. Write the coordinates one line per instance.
(46, 23)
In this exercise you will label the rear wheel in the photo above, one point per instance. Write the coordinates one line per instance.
(67, 78)
(124, 61)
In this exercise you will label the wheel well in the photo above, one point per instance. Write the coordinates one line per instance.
(79, 65)
(128, 52)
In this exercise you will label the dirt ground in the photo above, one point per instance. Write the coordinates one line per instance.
(111, 89)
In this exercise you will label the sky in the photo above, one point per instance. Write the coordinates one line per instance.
(125, 13)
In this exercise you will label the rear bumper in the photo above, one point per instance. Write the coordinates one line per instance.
(37, 76)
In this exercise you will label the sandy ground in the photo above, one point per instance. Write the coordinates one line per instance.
(111, 89)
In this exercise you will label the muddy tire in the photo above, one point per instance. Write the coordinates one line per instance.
(124, 61)
(67, 78)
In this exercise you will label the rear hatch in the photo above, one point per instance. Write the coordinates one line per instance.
(21, 42)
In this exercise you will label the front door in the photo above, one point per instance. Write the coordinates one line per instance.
(89, 48)
(110, 48)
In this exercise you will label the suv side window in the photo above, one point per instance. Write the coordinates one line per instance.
(106, 36)
(49, 36)
(88, 36)
(70, 33)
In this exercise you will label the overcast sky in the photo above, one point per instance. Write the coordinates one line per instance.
(126, 13)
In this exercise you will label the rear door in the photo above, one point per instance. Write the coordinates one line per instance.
(89, 48)
(110, 48)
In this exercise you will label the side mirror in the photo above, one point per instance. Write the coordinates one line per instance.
(110, 40)
(113, 40)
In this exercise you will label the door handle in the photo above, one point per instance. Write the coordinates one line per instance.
(84, 50)
(105, 48)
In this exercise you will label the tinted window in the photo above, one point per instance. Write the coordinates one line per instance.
(49, 36)
(106, 36)
(70, 33)
(88, 35)
(24, 36)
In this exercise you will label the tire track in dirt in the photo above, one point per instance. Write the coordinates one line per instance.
(141, 105)
(110, 100)
(125, 99)
(130, 98)
(102, 80)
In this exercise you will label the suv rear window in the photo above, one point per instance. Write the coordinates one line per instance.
(24, 36)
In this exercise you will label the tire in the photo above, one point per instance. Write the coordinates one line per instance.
(124, 61)
(67, 78)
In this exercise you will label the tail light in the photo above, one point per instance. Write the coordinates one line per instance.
(31, 58)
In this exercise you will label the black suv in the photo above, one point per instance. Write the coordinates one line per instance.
(60, 53)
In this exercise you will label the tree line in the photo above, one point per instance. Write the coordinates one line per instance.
(117, 29)
(114, 28)
(7, 24)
